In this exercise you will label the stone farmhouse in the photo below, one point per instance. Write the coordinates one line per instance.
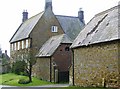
(4, 62)
(34, 34)
(96, 57)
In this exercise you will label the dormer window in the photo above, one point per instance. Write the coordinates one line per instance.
(54, 29)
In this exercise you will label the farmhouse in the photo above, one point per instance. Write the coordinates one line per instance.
(96, 57)
(35, 31)
(4, 62)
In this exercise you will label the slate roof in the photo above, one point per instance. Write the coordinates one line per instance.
(102, 28)
(52, 44)
(71, 26)
(25, 28)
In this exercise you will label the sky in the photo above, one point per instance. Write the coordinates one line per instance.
(11, 13)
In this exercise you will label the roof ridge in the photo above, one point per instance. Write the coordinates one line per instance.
(34, 15)
(105, 11)
(67, 16)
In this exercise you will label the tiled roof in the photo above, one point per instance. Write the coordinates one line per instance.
(103, 27)
(52, 44)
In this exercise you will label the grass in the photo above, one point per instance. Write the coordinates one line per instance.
(12, 80)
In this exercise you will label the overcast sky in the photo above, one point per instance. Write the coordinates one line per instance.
(11, 12)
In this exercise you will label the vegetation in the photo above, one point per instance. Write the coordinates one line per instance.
(24, 67)
(18, 67)
(13, 79)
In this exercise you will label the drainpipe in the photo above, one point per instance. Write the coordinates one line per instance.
(73, 66)
(50, 70)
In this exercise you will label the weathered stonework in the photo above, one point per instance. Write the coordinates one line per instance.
(42, 69)
(46, 67)
(97, 65)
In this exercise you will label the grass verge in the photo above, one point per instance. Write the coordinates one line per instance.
(12, 80)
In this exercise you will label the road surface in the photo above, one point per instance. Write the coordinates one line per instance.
(35, 87)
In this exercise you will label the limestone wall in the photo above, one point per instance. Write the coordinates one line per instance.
(97, 65)
(42, 69)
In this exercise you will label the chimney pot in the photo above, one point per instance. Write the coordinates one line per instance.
(5, 51)
(25, 15)
(81, 15)
(48, 4)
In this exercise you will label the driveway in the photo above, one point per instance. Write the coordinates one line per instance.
(34, 87)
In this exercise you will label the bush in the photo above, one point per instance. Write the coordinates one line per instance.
(19, 67)
(23, 81)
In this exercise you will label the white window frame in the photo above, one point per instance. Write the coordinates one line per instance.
(15, 46)
(54, 29)
(27, 43)
(12, 47)
(22, 44)
(18, 45)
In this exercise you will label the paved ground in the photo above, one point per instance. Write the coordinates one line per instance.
(36, 87)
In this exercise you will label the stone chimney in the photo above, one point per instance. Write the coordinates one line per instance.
(81, 15)
(48, 4)
(25, 15)
(6, 52)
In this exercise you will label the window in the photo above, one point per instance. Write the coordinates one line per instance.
(67, 49)
(27, 43)
(14, 46)
(22, 44)
(54, 29)
(18, 45)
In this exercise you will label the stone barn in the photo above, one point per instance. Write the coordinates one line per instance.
(54, 59)
(96, 52)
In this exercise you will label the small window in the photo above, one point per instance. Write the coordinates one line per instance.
(18, 45)
(15, 46)
(67, 49)
(12, 47)
(54, 29)
(27, 43)
(22, 44)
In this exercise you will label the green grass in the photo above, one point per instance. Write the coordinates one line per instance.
(12, 79)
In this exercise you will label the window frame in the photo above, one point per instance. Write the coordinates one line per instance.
(54, 29)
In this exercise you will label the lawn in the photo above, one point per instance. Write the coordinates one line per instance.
(12, 79)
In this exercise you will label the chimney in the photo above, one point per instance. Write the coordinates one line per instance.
(6, 52)
(48, 4)
(25, 15)
(81, 15)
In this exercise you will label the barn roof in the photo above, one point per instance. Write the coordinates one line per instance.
(52, 44)
(71, 26)
(102, 28)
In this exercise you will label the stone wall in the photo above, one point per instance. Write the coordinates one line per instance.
(42, 69)
(97, 65)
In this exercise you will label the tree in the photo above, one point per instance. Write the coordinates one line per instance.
(30, 61)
